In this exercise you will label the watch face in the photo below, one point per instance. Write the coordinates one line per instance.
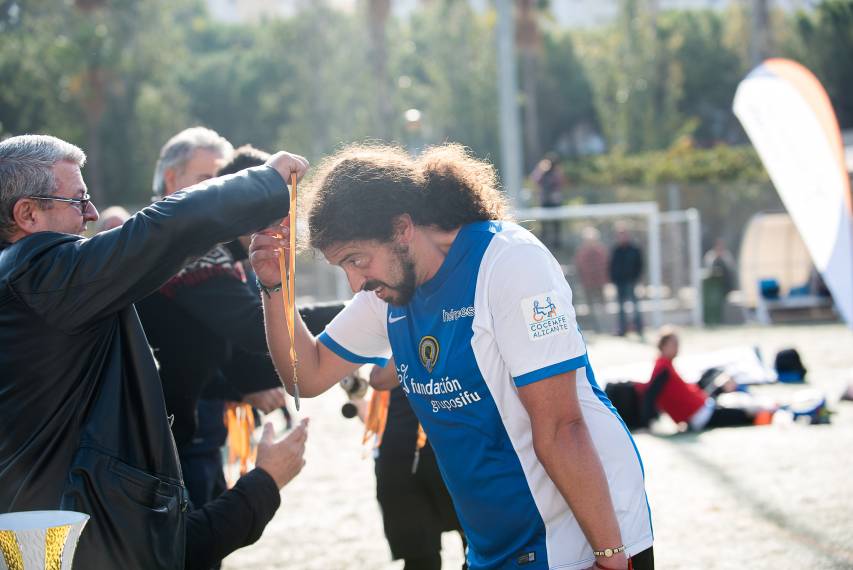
(608, 552)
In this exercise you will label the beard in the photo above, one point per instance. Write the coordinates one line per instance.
(399, 293)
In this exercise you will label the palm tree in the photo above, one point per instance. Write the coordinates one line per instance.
(377, 20)
(760, 41)
(529, 41)
(92, 94)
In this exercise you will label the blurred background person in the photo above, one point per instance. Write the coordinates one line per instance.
(549, 178)
(719, 261)
(719, 280)
(205, 328)
(626, 267)
(246, 365)
(592, 267)
(111, 217)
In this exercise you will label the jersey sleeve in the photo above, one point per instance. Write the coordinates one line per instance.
(359, 333)
(534, 322)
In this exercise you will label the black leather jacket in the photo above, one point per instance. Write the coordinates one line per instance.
(82, 420)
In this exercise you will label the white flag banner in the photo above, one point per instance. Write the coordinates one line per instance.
(789, 119)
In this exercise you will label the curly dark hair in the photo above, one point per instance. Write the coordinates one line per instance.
(358, 193)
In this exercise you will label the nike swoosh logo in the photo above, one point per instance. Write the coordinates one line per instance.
(392, 320)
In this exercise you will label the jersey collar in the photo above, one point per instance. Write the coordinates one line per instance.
(460, 246)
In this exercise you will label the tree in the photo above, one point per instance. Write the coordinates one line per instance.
(827, 49)
(761, 38)
(566, 106)
(88, 73)
(709, 72)
(377, 21)
(635, 84)
(529, 43)
(449, 75)
(654, 86)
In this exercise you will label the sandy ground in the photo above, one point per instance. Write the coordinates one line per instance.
(777, 496)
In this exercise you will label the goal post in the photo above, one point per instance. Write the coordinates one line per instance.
(671, 240)
(654, 221)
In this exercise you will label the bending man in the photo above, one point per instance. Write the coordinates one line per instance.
(542, 471)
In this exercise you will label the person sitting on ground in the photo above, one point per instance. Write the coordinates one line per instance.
(685, 402)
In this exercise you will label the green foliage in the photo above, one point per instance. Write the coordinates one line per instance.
(565, 94)
(119, 77)
(85, 75)
(657, 80)
(827, 49)
(680, 164)
(708, 73)
(445, 67)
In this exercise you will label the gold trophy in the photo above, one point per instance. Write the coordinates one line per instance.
(39, 540)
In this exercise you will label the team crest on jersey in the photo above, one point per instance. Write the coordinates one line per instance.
(428, 350)
(545, 315)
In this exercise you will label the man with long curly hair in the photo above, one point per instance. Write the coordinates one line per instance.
(541, 469)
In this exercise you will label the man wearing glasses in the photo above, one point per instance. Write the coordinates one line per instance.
(82, 417)
(70, 189)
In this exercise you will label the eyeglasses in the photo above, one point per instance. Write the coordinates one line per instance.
(81, 203)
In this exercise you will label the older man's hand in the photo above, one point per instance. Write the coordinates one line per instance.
(282, 460)
(286, 164)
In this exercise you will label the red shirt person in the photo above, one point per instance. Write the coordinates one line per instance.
(686, 402)
(680, 400)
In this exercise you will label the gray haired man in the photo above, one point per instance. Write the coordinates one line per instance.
(191, 156)
(82, 417)
(206, 329)
(56, 198)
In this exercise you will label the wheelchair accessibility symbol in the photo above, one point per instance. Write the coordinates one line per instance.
(540, 311)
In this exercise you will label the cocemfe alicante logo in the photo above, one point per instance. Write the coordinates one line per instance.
(545, 315)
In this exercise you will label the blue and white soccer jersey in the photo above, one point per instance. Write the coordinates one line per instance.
(496, 316)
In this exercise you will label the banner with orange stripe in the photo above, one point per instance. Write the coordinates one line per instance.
(790, 121)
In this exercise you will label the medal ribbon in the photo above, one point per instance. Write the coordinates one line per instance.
(288, 280)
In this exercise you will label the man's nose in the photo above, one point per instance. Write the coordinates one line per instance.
(356, 281)
(91, 213)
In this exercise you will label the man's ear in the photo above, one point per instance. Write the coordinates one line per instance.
(169, 176)
(404, 228)
(26, 215)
